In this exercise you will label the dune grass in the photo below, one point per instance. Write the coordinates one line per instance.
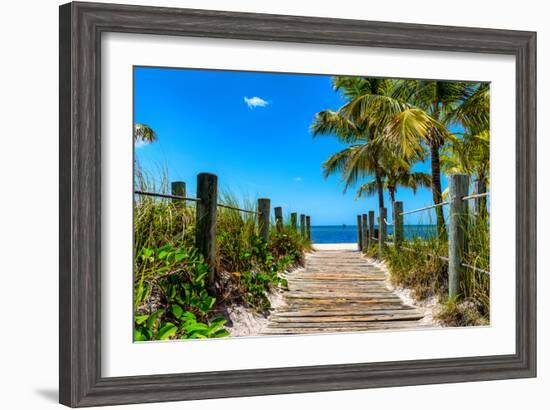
(418, 265)
(171, 297)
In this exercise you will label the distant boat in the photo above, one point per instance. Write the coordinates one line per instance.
(344, 225)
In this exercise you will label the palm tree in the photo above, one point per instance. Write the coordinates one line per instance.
(439, 99)
(397, 175)
(144, 133)
(363, 159)
(473, 113)
(413, 116)
(468, 153)
(355, 161)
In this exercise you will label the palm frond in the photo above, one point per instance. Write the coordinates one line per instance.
(410, 128)
(144, 133)
(337, 163)
(329, 122)
(367, 189)
(375, 110)
(362, 162)
(474, 112)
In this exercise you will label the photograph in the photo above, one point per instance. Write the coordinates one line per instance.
(274, 204)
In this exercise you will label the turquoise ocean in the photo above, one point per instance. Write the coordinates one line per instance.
(348, 233)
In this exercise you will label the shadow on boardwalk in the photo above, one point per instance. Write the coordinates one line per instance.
(340, 291)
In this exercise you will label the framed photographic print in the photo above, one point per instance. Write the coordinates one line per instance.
(261, 204)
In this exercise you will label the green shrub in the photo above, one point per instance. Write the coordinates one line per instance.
(455, 312)
(288, 246)
(416, 265)
(171, 299)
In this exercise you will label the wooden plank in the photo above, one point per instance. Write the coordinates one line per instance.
(332, 301)
(375, 326)
(339, 291)
(375, 317)
(339, 313)
(345, 325)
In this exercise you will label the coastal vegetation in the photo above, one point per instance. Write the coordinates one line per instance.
(391, 125)
(172, 296)
(397, 136)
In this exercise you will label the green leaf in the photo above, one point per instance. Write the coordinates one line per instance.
(211, 302)
(153, 318)
(172, 292)
(139, 336)
(140, 293)
(179, 256)
(221, 333)
(140, 319)
(176, 310)
(188, 316)
(146, 253)
(163, 248)
(200, 277)
(195, 327)
(197, 336)
(219, 321)
(166, 330)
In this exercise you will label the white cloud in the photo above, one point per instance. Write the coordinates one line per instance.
(254, 102)
(298, 179)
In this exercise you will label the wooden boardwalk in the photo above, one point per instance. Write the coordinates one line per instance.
(339, 291)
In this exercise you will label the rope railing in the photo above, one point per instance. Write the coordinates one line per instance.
(474, 196)
(206, 216)
(465, 198)
(457, 235)
(168, 196)
(443, 258)
(238, 209)
(425, 208)
(476, 269)
(184, 198)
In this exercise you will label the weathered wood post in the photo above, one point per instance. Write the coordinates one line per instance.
(205, 237)
(371, 225)
(278, 218)
(178, 189)
(308, 227)
(359, 233)
(293, 221)
(303, 225)
(458, 214)
(398, 229)
(382, 232)
(264, 207)
(480, 204)
(364, 228)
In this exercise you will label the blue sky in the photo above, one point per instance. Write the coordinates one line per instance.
(252, 130)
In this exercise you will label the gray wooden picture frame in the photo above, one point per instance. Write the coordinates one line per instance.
(81, 27)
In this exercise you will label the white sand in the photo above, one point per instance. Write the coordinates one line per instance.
(427, 307)
(246, 322)
(335, 246)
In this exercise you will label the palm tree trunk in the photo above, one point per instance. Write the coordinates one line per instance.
(392, 197)
(380, 187)
(480, 204)
(436, 192)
